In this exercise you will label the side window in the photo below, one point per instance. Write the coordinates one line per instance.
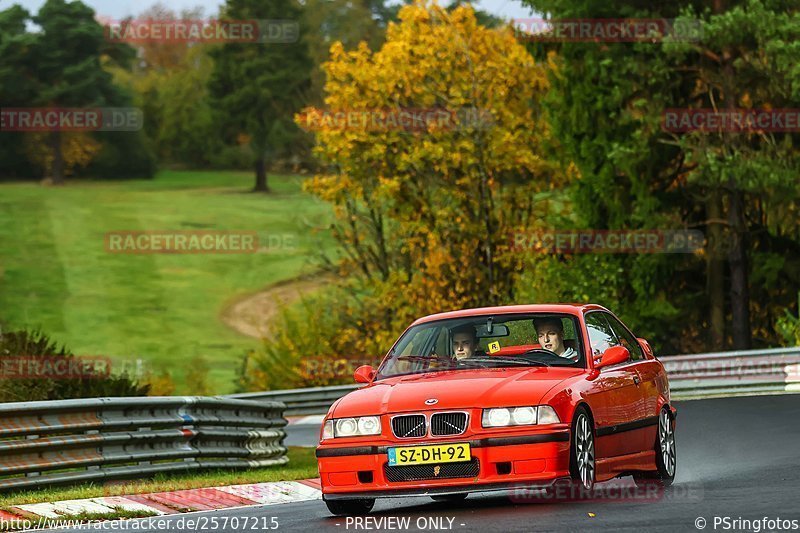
(625, 338)
(601, 336)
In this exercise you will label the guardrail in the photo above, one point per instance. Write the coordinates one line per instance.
(68, 441)
(734, 373)
(691, 376)
(310, 401)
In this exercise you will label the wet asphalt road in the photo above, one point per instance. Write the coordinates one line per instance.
(737, 458)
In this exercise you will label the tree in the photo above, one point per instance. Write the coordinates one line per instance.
(343, 21)
(747, 58)
(170, 84)
(424, 214)
(16, 90)
(61, 63)
(66, 65)
(606, 110)
(257, 87)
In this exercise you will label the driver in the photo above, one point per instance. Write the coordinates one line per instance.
(551, 337)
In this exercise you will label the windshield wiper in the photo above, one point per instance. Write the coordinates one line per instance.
(524, 362)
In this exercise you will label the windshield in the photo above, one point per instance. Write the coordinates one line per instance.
(486, 342)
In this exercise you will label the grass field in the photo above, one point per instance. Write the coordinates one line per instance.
(56, 274)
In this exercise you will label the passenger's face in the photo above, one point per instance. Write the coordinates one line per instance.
(551, 339)
(463, 345)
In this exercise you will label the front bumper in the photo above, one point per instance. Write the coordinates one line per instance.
(504, 462)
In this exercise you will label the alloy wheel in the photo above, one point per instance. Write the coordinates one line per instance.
(666, 440)
(584, 450)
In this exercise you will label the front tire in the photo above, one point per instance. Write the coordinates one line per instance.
(350, 507)
(666, 457)
(582, 466)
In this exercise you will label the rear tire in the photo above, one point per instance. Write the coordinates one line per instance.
(450, 497)
(666, 457)
(582, 465)
(350, 507)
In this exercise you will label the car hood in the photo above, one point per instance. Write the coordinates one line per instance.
(461, 389)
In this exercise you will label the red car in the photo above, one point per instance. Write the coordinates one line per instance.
(500, 398)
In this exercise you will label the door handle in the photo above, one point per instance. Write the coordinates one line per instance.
(636, 379)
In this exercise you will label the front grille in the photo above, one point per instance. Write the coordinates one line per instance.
(448, 423)
(408, 426)
(421, 472)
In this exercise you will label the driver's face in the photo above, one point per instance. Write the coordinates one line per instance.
(463, 345)
(552, 339)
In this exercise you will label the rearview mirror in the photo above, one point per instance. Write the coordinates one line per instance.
(498, 330)
(613, 356)
(364, 374)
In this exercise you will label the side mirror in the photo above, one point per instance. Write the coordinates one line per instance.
(613, 356)
(648, 351)
(364, 374)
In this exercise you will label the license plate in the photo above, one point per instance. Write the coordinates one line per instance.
(434, 453)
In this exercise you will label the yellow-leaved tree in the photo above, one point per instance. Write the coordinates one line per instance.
(435, 147)
(433, 202)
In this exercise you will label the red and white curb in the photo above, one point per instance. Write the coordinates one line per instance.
(180, 501)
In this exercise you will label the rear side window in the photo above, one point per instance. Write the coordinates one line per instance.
(625, 338)
(601, 336)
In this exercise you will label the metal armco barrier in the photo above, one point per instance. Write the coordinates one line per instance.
(707, 375)
(70, 441)
(311, 401)
(690, 376)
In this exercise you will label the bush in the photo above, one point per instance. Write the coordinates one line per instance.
(789, 326)
(317, 342)
(238, 157)
(124, 155)
(33, 367)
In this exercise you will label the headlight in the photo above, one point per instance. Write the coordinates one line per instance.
(351, 427)
(524, 415)
(496, 417)
(519, 416)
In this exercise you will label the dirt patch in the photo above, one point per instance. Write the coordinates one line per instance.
(253, 314)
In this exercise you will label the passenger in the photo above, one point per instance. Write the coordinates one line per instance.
(465, 342)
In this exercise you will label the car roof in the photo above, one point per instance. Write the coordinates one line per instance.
(570, 309)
